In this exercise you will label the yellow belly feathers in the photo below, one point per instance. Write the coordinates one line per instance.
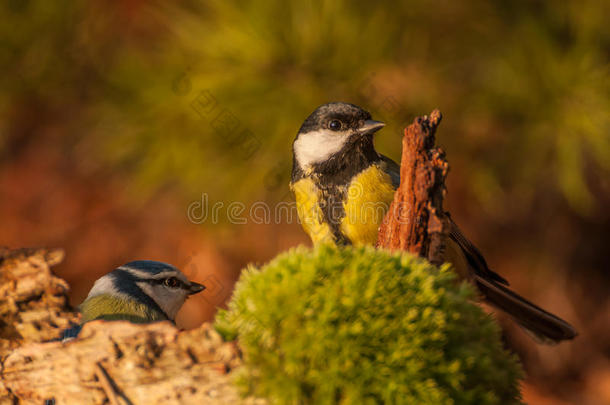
(312, 218)
(368, 197)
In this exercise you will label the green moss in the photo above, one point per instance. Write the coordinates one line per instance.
(359, 325)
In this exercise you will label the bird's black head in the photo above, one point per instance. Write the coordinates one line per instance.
(335, 117)
(330, 132)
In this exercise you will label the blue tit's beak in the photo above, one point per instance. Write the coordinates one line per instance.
(194, 288)
(370, 127)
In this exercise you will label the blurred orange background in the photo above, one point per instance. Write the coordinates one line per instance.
(104, 145)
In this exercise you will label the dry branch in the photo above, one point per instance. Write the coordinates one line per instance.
(415, 221)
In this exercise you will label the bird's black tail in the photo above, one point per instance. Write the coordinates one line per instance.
(545, 326)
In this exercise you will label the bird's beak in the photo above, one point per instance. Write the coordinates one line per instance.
(194, 288)
(370, 127)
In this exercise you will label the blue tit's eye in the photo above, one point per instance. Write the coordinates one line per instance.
(334, 125)
(171, 282)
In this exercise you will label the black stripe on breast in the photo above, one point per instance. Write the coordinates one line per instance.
(334, 176)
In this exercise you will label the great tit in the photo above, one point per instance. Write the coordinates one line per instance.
(141, 291)
(343, 189)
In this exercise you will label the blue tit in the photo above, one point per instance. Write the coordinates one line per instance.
(344, 187)
(140, 291)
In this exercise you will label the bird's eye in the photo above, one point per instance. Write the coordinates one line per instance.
(335, 125)
(172, 282)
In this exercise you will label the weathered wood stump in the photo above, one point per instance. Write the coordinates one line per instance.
(415, 221)
(124, 363)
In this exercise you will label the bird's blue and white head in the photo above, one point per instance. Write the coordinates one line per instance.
(158, 287)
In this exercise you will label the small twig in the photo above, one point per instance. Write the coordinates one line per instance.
(110, 388)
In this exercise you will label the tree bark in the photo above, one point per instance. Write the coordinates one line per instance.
(33, 301)
(415, 221)
(123, 363)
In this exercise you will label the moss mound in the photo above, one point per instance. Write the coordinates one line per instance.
(360, 325)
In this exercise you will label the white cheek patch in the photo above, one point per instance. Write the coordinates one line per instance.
(317, 146)
(169, 300)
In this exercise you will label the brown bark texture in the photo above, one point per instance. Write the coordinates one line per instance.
(415, 221)
(110, 362)
(33, 301)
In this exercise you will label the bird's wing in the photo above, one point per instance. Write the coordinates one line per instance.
(545, 327)
(392, 168)
(70, 333)
(473, 256)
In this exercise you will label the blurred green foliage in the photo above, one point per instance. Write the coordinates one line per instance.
(364, 326)
(524, 87)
